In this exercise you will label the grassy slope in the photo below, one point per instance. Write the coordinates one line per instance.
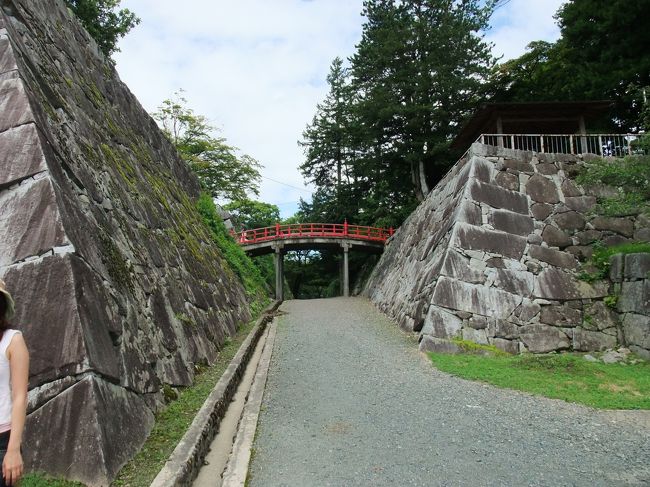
(562, 376)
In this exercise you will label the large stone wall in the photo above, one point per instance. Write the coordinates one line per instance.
(492, 256)
(119, 287)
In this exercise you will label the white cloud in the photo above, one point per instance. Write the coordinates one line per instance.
(257, 68)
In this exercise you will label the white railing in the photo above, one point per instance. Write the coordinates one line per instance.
(599, 144)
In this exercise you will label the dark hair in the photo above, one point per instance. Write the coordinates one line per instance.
(3, 310)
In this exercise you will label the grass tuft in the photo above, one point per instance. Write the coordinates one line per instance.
(560, 376)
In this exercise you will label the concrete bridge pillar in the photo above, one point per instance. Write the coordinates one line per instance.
(346, 270)
(279, 272)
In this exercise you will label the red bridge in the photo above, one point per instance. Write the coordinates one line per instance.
(312, 236)
(313, 230)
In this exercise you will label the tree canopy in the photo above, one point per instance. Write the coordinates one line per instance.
(250, 214)
(601, 55)
(104, 22)
(224, 172)
(380, 138)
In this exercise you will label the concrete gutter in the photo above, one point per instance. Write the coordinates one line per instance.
(186, 460)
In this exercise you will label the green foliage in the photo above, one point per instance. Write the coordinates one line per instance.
(236, 258)
(476, 348)
(387, 120)
(601, 257)
(250, 214)
(601, 55)
(35, 479)
(631, 178)
(104, 22)
(223, 172)
(173, 421)
(611, 301)
(561, 376)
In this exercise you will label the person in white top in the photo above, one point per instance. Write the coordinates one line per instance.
(14, 374)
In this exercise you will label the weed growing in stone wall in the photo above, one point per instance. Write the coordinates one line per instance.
(597, 267)
(630, 177)
(236, 258)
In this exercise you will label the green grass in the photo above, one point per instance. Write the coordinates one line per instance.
(39, 480)
(599, 262)
(561, 376)
(172, 423)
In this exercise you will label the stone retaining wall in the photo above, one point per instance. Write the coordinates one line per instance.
(631, 275)
(119, 286)
(492, 254)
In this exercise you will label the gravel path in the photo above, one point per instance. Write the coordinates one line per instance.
(350, 401)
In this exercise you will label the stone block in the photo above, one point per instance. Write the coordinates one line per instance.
(441, 323)
(546, 169)
(570, 220)
(555, 237)
(553, 257)
(498, 197)
(14, 104)
(482, 169)
(110, 422)
(622, 226)
(542, 189)
(637, 266)
(495, 262)
(31, 222)
(517, 165)
(582, 204)
(7, 58)
(510, 222)
(476, 336)
(20, 144)
(570, 189)
(516, 282)
(469, 212)
(477, 322)
(556, 284)
(616, 267)
(500, 328)
(475, 238)
(563, 316)
(507, 181)
(438, 345)
(614, 240)
(541, 211)
(592, 341)
(527, 310)
(588, 236)
(635, 297)
(491, 302)
(642, 235)
(69, 332)
(507, 346)
(540, 338)
(598, 317)
(581, 252)
(458, 267)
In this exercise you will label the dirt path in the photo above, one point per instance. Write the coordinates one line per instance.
(350, 401)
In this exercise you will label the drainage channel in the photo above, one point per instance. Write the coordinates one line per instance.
(226, 464)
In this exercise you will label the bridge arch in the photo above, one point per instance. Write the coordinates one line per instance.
(280, 239)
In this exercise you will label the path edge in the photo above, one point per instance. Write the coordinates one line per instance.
(186, 460)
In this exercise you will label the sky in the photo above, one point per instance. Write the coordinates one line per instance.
(257, 68)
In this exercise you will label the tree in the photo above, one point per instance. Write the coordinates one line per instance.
(104, 22)
(601, 55)
(222, 171)
(419, 70)
(253, 214)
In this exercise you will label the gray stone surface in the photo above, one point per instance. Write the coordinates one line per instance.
(637, 266)
(556, 258)
(540, 338)
(555, 237)
(542, 189)
(510, 222)
(587, 340)
(624, 226)
(570, 220)
(636, 329)
(120, 288)
(363, 408)
(564, 316)
(475, 238)
(498, 197)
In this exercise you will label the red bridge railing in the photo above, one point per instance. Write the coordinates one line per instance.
(313, 230)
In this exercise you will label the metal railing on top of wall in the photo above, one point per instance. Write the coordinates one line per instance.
(599, 144)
